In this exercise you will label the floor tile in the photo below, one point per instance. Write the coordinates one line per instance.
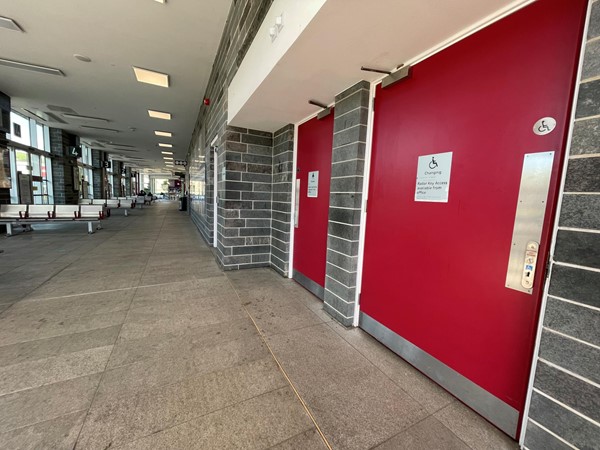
(189, 361)
(47, 402)
(144, 323)
(44, 348)
(59, 433)
(14, 331)
(429, 434)
(128, 351)
(429, 394)
(258, 423)
(309, 440)
(473, 429)
(119, 419)
(32, 374)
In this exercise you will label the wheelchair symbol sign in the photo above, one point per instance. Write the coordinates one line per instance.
(545, 125)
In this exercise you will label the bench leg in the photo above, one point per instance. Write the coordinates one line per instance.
(90, 228)
(125, 213)
(9, 229)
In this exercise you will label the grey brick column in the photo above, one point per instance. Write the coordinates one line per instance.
(127, 181)
(97, 173)
(347, 175)
(63, 183)
(283, 177)
(116, 178)
(566, 397)
(244, 215)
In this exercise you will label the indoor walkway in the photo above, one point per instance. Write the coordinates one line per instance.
(133, 338)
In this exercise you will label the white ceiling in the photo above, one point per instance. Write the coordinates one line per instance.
(179, 38)
(343, 36)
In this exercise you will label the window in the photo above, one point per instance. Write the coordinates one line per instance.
(86, 156)
(42, 136)
(31, 174)
(19, 129)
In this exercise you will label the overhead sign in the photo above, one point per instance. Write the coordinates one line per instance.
(313, 184)
(106, 164)
(180, 162)
(433, 178)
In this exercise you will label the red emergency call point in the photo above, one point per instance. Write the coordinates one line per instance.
(206, 101)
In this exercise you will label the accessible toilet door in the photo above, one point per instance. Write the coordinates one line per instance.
(436, 260)
(313, 174)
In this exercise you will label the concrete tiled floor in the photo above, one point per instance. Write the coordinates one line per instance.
(133, 338)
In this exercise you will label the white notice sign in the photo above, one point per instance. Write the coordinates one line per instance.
(313, 184)
(433, 178)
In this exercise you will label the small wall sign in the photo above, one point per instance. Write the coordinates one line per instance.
(313, 184)
(545, 125)
(433, 178)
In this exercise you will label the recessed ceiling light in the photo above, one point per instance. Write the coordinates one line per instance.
(151, 77)
(82, 57)
(163, 133)
(100, 128)
(167, 157)
(159, 114)
(31, 67)
(161, 1)
(165, 145)
(34, 114)
(167, 153)
(86, 118)
(9, 24)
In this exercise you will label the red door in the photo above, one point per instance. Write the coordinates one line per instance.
(435, 272)
(315, 144)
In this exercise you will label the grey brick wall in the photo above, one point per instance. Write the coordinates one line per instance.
(566, 398)
(281, 198)
(244, 19)
(63, 183)
(345, 200)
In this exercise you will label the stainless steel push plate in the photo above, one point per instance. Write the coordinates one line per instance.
(529, 219)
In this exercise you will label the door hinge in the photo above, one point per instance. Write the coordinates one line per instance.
(373, 106)
(547, 269)
(366, 203)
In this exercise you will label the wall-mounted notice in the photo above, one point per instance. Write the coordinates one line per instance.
(433, 178)
(313, 184)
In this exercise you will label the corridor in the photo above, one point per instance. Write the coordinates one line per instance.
(133, 338)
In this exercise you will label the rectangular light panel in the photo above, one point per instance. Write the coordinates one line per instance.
(30, 67)
(159, 114)
(167, 153)
(9, 24)
(163, 133)
(87, 118)
(165, 145)
(151, 77)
